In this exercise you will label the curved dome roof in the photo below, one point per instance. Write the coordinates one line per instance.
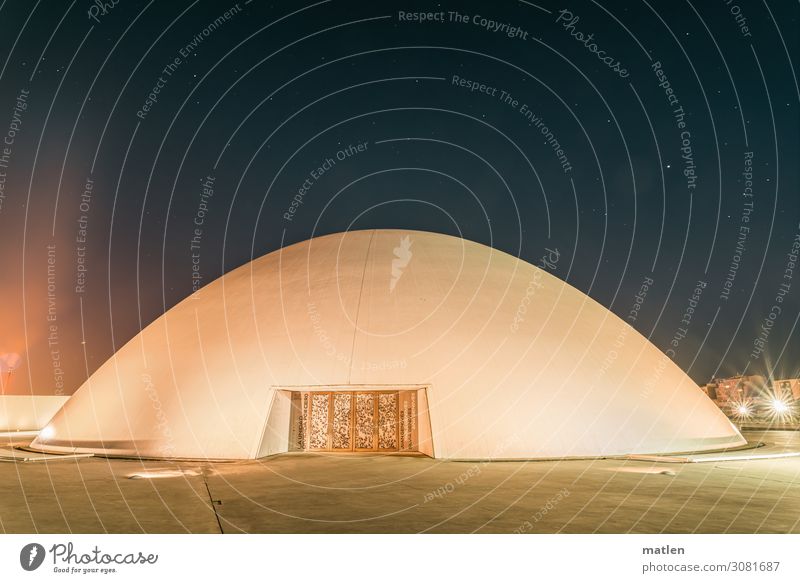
(517, 363)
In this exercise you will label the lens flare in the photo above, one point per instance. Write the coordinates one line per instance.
(742, 409)
(779, 406)
(779, 409)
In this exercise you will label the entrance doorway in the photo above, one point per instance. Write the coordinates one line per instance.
(354, 421)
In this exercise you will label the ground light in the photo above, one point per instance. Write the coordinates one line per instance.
(779, 406)
(742, 409)
(779, 409)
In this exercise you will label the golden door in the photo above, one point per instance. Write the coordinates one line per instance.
(381, 421)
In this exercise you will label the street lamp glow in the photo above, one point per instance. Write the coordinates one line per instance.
(779, 406)
(741, 409)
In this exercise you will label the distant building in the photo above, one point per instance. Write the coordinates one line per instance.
(787, 388)
(736, 389)
(753, 396)
(710, 389)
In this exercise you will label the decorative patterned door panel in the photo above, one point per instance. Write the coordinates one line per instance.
(387, 424)
(318, 428)
(407, 422)
(342, 427)
(354, 421)
(365, 421)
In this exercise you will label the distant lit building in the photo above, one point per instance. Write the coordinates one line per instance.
(735, 389)
(754, 397)
(710, 389)
(787, 388)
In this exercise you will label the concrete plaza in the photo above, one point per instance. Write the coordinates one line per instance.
(327, 493)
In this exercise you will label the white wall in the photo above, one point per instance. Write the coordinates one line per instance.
(276, 433)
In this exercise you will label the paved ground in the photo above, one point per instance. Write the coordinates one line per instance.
(366, 493)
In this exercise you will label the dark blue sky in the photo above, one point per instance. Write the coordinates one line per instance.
(505, 123)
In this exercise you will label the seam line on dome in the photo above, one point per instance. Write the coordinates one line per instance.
(358, 306)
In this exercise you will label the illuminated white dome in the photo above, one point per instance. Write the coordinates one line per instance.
(515, 362)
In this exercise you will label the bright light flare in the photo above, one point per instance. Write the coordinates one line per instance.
(742, 409)
(779, 407)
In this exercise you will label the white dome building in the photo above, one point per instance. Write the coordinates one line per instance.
(388, 340)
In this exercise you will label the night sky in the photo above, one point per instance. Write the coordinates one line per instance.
(149, 147)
